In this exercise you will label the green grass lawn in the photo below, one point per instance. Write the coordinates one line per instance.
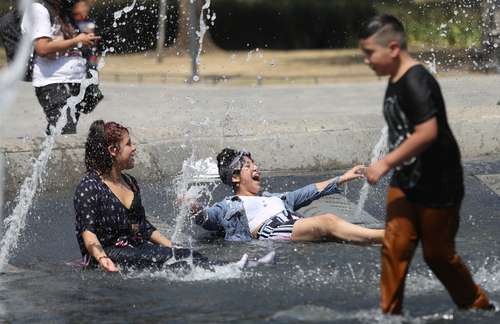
(438, 23)
(2, 57)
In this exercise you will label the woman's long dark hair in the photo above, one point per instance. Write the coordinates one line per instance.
(61, 11)
(101, 136)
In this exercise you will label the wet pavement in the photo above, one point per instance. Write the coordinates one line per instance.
(317, 127)
(310, 282)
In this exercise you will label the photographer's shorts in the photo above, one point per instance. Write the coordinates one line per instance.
(54, 97)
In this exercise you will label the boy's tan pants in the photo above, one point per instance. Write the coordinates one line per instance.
(406, 224)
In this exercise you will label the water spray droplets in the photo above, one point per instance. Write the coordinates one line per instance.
(191, 184)
(16, 221)
(118, 14)
(378, 151)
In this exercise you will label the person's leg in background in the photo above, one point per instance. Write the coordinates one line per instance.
(400, 242)
(53, 99)
(145, 255)
(92, 97)
(438, 228)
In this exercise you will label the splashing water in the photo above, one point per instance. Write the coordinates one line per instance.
(378, 151)
(15, 70)
(118, 14)
(102, 59)
(203, 29)
(313, 313)
(8, 76)
(202, 173)
(488, 275)
(225, 272)
(431, 63)
(16, 221)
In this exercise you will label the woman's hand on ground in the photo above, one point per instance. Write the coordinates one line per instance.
(107, 264)
(356, 172)
(85, 39)
(376, 171)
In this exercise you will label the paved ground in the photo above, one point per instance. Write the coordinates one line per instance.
(266, 66)
(292, 127)
(326, 282)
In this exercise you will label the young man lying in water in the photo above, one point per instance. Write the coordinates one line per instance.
(249, 214)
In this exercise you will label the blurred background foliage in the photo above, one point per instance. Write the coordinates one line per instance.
(290, 24)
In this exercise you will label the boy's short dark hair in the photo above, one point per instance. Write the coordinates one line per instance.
(224, 159)
(229, 162)
(386, 28)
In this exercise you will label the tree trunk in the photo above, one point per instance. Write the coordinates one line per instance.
(160, 46)
(491, 32)
(187, 27)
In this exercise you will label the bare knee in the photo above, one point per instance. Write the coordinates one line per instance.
(314, 228)
(331, 219)
(399, 244)
(329, 224)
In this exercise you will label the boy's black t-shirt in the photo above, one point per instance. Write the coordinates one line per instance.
(435, 177)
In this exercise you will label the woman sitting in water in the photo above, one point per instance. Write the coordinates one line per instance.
(111, 225)
(248, 215)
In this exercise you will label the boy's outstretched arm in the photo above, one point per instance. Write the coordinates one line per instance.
(425, 133)
(207, 217)
(354, 173)
(305, 195)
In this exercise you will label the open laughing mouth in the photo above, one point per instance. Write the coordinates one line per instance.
(256, 176)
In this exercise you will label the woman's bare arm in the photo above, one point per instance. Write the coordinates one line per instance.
(95, 250)
(46, 46)
(158, 238)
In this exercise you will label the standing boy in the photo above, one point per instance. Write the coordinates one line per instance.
(426, 190)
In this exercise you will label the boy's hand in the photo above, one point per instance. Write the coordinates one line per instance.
(356, 172)
(376, 171)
